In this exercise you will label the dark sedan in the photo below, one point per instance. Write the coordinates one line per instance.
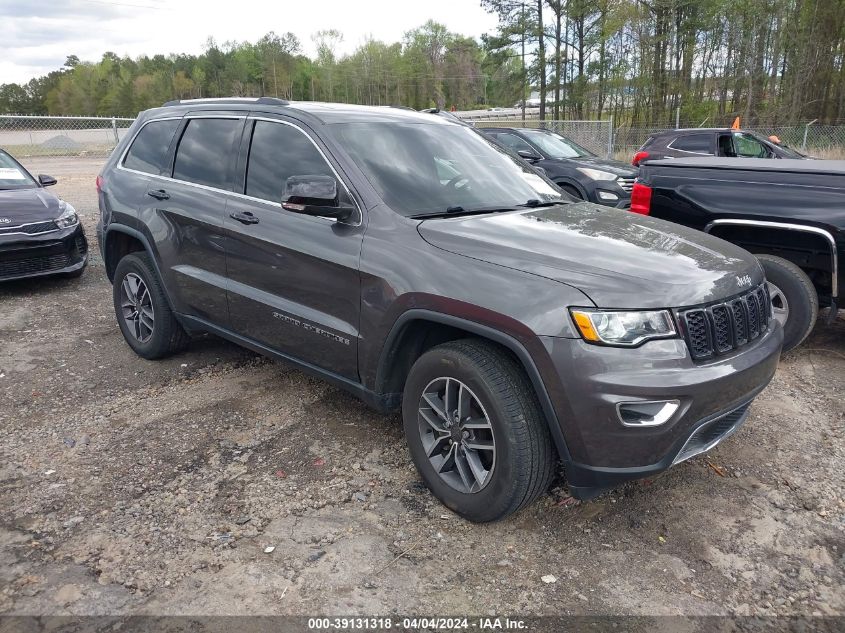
(575, 169)
(39, 234)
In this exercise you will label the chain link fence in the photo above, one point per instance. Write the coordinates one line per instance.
(34, 136)
(96, 137)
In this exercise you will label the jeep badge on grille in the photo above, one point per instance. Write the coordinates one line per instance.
(743, 280)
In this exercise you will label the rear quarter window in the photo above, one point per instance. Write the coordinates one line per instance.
(648, 142)
(696, 143)
(148, 152)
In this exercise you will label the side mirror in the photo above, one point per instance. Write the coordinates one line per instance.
(314, 195)
(528, 155)
(46, 181)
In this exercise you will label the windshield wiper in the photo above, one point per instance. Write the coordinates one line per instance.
(533, 203)
(458, 210)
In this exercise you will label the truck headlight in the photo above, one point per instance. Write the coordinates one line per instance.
(68, 217)
(596, 174)
(627, 329)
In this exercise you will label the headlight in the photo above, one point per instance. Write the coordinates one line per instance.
(623, 328)
(596, 174)
(68, 217)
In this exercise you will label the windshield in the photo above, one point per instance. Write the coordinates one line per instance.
(786, 149)
(556, 146)
(420, 168)
(12, 175)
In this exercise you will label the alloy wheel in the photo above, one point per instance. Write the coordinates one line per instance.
(456, 434)
(780, 306)
(137, 307)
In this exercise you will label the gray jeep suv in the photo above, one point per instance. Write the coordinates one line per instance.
(406, 258)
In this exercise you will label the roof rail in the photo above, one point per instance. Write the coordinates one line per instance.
(223, 100)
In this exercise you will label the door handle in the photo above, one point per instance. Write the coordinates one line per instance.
(244, 217)
(159, 194)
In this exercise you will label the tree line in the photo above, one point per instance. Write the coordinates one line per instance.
(645, 62)
(649, 61)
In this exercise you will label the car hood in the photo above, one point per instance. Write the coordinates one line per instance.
(22, 206)
(616, 167)
(618, 259)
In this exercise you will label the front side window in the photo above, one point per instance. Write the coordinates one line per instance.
(148, 153)
(204, 152)
(409, 163)
(695, 143)
(746, 146)
(277, 152)
(13, 175)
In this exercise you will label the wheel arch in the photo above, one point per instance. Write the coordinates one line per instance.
(120, 240)
(566, 181)
(417, 330)
(739, 230)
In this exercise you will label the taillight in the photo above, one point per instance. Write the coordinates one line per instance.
(100, 183)
(638, 157)
(641, 199)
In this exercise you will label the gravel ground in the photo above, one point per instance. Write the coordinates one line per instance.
(218, 482)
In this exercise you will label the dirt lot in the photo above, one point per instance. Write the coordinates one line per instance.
(129, 486)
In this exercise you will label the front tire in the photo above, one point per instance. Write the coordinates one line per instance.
(475, 430)
(143, 313)
(572, 191)
(795, 303)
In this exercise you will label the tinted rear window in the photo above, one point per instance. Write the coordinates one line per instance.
(205, 150)
(149, 149)
(699, 143)
(277, 152)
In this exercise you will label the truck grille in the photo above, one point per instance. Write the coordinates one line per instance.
(626, 183)
(723, 327)
(30, 229)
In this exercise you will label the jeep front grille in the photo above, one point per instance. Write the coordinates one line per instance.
(723, 327)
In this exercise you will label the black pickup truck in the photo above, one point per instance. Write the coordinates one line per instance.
(790, 213)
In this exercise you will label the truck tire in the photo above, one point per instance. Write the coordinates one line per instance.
(143, 313)
(475, 430)
(794, 300)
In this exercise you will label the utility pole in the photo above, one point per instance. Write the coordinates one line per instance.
(524, 71)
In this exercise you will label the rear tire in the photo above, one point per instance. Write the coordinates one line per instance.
(143, 313)
(794, 299)
(521, 464)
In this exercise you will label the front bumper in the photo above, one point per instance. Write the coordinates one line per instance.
(61, 251)
(713, 396)
(597, 188)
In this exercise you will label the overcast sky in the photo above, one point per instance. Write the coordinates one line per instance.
(38, 35)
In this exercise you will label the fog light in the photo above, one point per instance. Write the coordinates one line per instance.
(607, 196)
(642, 414)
